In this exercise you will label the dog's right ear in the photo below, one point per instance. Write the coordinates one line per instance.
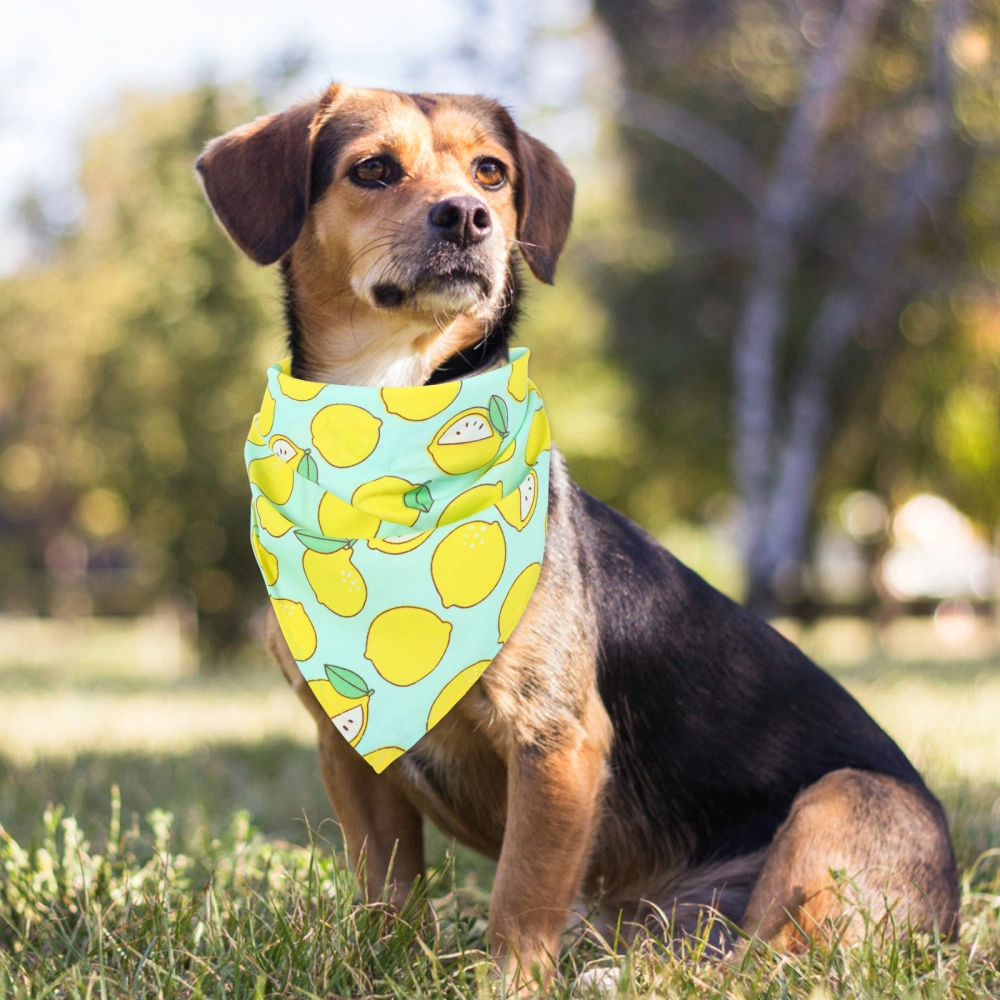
(256, 179)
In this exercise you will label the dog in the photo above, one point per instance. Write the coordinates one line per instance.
(640, 740)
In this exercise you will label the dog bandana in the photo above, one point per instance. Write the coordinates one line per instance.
(400, 532)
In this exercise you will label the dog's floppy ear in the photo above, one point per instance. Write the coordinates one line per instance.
(256, 179)
(544, 199)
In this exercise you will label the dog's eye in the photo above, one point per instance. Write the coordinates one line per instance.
(490, 173)
(375, 171)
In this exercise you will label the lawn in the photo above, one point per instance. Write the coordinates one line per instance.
(172, 839)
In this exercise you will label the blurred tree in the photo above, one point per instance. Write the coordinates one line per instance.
(133, 360)
(810, 162)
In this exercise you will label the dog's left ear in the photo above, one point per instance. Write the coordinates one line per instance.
(544, 200)
(256, 179)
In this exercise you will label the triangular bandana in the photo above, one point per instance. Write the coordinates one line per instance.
(400, 532)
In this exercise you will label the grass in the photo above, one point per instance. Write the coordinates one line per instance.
(240, 889)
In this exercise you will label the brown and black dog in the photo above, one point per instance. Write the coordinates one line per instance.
(640, 738)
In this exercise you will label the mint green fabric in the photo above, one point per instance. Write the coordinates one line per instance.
(400, 533)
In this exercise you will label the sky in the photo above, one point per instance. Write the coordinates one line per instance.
(63, 64)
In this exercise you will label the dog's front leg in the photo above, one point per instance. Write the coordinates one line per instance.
(381, 826)
(554, 797)
(376, 816)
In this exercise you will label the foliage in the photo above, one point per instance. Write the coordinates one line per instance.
(135, 359)
(911, 402)
(133, 364)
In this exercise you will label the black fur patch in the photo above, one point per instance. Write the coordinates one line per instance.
(719, 721)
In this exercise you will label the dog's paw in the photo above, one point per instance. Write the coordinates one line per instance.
(602, 982)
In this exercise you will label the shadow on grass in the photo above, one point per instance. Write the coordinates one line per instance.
(276, 782)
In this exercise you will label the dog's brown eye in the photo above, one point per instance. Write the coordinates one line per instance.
(489, 173)
(376, 170)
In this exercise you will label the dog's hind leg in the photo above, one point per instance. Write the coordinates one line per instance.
(382, 828)
(859, 851)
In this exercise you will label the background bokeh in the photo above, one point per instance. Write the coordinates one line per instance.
(774, 341)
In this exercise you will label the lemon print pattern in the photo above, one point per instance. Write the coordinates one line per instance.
(295, 388)
(454, 690)
(517, 507)
(393, 499)
(332, 575)
(344, 696)
(345, 435)
(266, 560)
(420, 402)
(398, 544)
(338, 519)
(275, 474)
(468, 563)
(399, 532)
(517, 384)
(516, 600)
(406, 644)
(539, 437)
(380, 759)
(470, 440)
(271, 519)
(265, 418)
(296, 626)
(471, 502)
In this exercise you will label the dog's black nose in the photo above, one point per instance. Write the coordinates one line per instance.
(461, 220)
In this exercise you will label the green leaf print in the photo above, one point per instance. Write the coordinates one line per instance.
(346, 682)
(307, 466)
(320, 543)
(498, 415)
(419, 498)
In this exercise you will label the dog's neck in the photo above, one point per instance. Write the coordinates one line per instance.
(342, 340)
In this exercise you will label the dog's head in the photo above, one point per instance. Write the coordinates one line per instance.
(398, 203)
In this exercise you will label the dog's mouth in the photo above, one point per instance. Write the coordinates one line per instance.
(460, 287)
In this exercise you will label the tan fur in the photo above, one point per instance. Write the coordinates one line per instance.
(856, 847)
(350, 241)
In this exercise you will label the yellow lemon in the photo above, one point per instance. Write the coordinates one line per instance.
(405, 644)
(344, 696)
(471, 502)
(345, 435)
(254, 436)
(539, 437)
(517, 384)
(517, 600)
(296, 388)
(399, 543)
(468, 563)
(517, 507)
(453, 691)
(465, 443)
(393, 499)
(419, 402)
(266, 560)
(338, 519)
(507, 454)
(295, 627)
(273, 477)
(380, 759)
(271, 519)
(265, 418)
(334, 579)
